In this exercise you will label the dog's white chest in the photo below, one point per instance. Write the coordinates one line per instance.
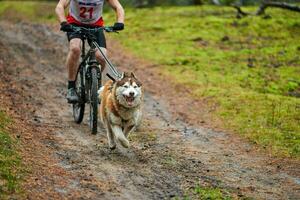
(126, 118)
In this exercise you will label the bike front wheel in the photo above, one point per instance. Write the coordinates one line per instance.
(78, 108)
(95, 80)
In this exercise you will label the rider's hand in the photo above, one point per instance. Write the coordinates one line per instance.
(65, 26)
(118, 26)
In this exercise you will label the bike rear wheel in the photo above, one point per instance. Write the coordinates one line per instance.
(95, 80)
(78, 108)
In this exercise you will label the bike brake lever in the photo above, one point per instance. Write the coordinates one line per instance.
(110, 30)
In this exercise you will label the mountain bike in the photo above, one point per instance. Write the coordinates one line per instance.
(88, 78)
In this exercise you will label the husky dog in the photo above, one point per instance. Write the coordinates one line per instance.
(120, 108)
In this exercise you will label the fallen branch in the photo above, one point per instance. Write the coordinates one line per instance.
(264, 5)
(283, 5)
(240, 13)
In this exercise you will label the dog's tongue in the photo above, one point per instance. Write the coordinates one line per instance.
(129, 100)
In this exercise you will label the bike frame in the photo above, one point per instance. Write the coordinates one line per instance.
(94, 46)
(88, 77)
(88, 61)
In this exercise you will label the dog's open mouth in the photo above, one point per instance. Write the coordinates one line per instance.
(129, 99)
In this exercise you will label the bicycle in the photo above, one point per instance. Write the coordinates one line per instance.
(88, 78)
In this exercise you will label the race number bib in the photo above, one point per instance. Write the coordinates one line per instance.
(86, 11)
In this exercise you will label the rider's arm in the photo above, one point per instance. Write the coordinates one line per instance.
(115, 4)
(60, 10)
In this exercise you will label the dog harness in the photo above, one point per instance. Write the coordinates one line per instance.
(86, 12)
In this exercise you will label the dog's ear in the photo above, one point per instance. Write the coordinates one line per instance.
(120, 80)
(132, 75)
(127, 74)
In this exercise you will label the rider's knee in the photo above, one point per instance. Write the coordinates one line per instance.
(75, 50)
(101, 62)
(100, 58)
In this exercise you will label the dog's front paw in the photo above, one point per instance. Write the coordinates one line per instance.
(124, 142)
(112, 144)
(113, 147)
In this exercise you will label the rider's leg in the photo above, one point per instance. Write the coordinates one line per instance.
(73, 58)
(102, 62)
(72, 67)
(100, 58)
(101, 41)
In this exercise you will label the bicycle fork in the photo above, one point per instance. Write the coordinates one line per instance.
(94, 63)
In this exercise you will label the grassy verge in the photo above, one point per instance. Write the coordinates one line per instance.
(206, 193)
(34, 11)
(247, 68)
(10, 162)
(210, 193)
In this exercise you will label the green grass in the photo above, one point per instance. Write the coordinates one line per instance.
(32, 11)
(206, 193)
(247, 68)
(10, 162)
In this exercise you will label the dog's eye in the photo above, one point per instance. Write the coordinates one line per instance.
(135, 86)
(125, 86)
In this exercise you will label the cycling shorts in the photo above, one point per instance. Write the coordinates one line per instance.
(99, 35)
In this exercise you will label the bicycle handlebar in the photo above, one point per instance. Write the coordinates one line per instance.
(92, 29)
(87, 31)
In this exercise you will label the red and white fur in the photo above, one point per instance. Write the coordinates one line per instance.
(120, 109)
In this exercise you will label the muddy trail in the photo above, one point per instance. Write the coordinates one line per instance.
(169, 155)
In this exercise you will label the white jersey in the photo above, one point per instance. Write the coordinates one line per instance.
(86, 11)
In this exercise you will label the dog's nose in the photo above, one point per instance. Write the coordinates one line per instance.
(131, 94)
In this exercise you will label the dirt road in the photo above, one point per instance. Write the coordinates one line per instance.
(169, 155)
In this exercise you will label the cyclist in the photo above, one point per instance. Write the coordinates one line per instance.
(86, 13)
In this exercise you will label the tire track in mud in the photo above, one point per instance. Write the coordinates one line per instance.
(167, 156)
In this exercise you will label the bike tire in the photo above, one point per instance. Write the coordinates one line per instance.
(94, 99)
(78, 108)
